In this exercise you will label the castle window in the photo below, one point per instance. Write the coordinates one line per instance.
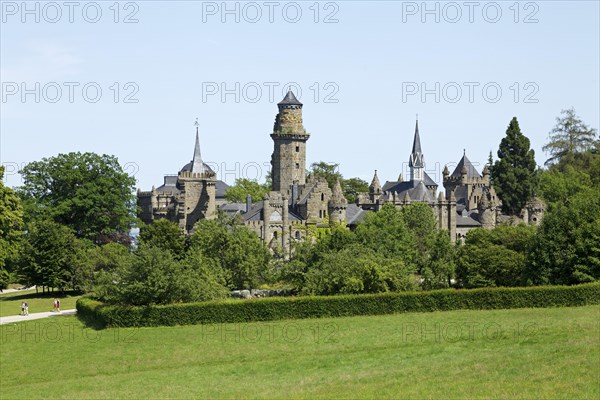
(297, 166)
(322, 196)
(297, 235)
(297, 149)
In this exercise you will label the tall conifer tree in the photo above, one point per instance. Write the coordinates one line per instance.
(514, 173)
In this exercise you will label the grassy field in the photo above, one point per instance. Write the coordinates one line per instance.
(523, 353)
(10, 303)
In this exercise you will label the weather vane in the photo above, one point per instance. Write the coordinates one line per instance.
(196, 123)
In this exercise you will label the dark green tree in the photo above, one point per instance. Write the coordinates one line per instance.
(239, 251)
(356, 269)
(97, 263)
(352, 187)
(87, 192)
(514, 173)
(11, 230)
(329, 171)
(494, 257)
(387, 233)
(155, 277)
(164, 234)
(48, 256)
(434, 253)
(569, 137)
(243, 187)
(566, 249)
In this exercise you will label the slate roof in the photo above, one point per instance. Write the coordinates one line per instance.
(471, 170)
(169, 184)
(466, 221)
(289, 99)
(220, 188)
(189, 166)
(355, 214)
(400, 186)
(255, 213)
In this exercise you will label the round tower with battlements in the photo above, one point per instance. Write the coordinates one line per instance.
(289, 154)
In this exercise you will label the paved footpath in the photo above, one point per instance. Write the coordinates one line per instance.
(18, 318)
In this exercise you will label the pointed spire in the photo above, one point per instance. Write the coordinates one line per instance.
(375, 185)
(416, 157)
(197, 164)
(401, 177)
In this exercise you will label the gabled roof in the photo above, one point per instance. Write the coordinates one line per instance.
(399, 186)
(466, 163)
(254, 213)
(416, 190)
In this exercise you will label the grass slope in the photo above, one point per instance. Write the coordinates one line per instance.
(521, 353)
(10, 303)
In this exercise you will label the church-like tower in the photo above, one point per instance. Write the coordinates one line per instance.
(196, 182)
(416, 161)
(289, 154)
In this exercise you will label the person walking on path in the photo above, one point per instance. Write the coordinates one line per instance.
(55, 309)
(23, 308)
(57, 305)
(26, 309)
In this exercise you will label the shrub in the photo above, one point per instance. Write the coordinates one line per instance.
(275, 308)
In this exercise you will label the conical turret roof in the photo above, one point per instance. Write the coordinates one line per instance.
(337, 196)
(289, 100)
(375, 186)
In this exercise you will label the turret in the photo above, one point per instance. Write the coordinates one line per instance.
(487, 210)
(289, 154)
(375, 187)
(337, 205)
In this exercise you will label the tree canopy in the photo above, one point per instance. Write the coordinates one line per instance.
(87, 192)
(569, 137)
(11, 222)
(243, 187)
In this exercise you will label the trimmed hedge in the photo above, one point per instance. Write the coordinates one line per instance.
(267, 309)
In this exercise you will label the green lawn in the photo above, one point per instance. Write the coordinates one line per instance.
(523, 353)
(10, 303)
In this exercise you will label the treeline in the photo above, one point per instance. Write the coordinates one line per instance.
(68, 227)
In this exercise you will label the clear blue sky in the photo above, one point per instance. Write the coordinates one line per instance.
(372, 61)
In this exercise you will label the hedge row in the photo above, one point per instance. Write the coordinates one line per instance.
(101, 315)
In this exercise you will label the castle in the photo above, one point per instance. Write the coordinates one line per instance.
(298, 205)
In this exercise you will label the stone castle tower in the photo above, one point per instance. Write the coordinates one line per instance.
(289, 154)
(196, 181)
(184, 199)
